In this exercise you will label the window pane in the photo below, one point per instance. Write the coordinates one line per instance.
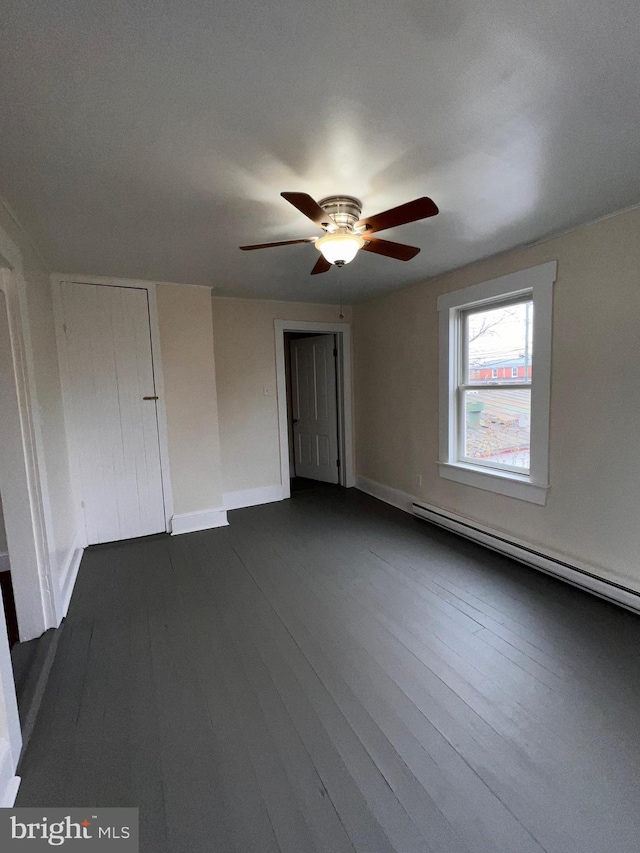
(497, 426)
(499, 344)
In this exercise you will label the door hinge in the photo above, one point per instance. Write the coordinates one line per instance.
(338, 462)
(335, 352)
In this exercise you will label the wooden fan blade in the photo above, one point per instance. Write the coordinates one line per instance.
(282, 243)
(305, 204)
(392, 250)
(322, 265)
(419, 208)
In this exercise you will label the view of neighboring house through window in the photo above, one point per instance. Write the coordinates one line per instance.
(495, 385)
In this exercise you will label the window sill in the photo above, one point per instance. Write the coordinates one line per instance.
(502, 483)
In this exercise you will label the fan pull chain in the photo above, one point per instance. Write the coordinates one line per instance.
(341, 314)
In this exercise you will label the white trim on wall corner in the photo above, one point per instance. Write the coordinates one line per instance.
(10, 793)
(203, 519)
(9, 782)
(578, 573)
(252, 497)
(11, 739)
(69, 574)
(27, 509)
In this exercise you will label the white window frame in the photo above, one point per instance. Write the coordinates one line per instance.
(537, 283)
(514, 373)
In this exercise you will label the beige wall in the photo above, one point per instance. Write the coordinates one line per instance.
(592, 507)
(244, 336)
(186, 341)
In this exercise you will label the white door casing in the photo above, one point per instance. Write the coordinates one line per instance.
(315, 414)
(342, 332)
(108, 354)
(23, 472)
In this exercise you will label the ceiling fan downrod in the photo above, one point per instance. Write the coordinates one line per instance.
(344, 210)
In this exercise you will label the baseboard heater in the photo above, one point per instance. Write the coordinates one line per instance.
(616, 593)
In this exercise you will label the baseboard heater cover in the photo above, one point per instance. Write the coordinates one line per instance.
(609, 590)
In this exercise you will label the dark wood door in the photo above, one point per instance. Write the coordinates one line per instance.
(9, 608)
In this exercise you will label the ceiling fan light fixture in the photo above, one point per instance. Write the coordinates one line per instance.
(339, 248)
(346, 233)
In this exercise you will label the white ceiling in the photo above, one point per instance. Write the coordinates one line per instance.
(152, 139)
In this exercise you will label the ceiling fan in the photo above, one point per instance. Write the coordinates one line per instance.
(346, 233)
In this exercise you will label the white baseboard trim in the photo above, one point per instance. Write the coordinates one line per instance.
(4, 562)
(394, 497)
(69, 574)
(578, 573)
(252, 497)
(9, 783)
(202, 519)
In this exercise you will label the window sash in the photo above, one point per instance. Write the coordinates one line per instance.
(461, 372)
(497, 386)
(462, 320)
(460, 436)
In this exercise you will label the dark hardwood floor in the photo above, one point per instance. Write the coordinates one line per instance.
(330, 674)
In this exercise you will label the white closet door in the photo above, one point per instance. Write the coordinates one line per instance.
(315, 410)
(114, 430)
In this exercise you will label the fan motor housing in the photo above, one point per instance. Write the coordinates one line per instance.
(344, 210)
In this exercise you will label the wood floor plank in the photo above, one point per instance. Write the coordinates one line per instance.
(216, 645)
(330, 760)
(387, 595)
(318, 808)
(478, 800)
(552, 806)
(330, 675)
(207, 776)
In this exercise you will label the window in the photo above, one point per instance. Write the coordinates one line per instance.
(494, 414)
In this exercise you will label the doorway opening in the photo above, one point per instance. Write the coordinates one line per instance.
(313, 363)
(312, 410)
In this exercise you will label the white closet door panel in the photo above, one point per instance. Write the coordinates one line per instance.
(130, 402)
(139, 422)
(315, 412)
(115, 431)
